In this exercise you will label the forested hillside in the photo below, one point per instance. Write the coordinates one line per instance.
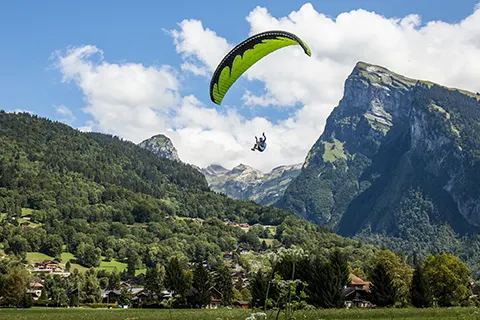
(94, 195)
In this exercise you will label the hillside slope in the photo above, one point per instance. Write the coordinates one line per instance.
(88, 195)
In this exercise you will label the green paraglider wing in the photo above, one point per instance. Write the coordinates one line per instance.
(247, 53)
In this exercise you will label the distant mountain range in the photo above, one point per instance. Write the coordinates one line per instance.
(247, 183)
(242, 182)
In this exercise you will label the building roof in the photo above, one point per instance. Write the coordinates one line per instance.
(35, 285)
(354, 280)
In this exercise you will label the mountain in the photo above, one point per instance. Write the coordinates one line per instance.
(83, 196)
(399, 157)
(242, 182)
(246, 183)
(161, 146)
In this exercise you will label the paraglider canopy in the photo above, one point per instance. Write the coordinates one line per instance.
(247, 53)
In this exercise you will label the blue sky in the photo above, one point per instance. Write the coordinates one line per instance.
(133, 31)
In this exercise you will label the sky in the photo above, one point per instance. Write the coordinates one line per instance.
(139, 68)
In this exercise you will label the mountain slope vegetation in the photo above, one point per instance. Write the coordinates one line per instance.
(398, 163)
(96, 196)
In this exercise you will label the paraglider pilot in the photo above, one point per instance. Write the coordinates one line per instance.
(260, 144)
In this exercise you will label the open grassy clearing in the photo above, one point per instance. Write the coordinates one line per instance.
(33, 257)
(219, 314)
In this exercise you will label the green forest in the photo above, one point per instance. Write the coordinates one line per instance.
(109, 211)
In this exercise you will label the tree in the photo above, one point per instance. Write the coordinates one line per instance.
(264, 245)
(91, 288)
(18, 245)
(132, 262)
(201, 283)
(246, 295)
(68, 266)
(258, 288)
(125, 297)
(338, 277)
(88, 256)
(26, 301)
(224, 284)
(399, 271)
(109, 253)
(113, 281)
(14, 286)
(420, 292)
(52, 245)
(154, 280)
(449, 279)
(383, 291)
(175, 279)
(317, 277)
(43, 299)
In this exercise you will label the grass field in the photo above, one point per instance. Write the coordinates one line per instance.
(237, 314)
(33, 257)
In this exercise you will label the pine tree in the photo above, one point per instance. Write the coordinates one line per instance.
(258, 288)
(132, 261)
(201, 282)
(383, 291)
(113, 281)
(316, 277)
(264, 245)
(154, 280)
(339, 275)
(175, 279)
(224, 284)
(420, 290)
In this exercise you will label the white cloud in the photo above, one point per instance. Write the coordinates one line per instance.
(64, 111)
(88, 127)
(135, 101)
(20, 111)
(66, 114)
(125, 99)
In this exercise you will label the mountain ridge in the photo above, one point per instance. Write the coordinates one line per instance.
(247, 183)
(368, 157)
(242, 182)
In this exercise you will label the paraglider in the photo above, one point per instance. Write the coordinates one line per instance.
(260, 144)
(242, 57)
(246, 54)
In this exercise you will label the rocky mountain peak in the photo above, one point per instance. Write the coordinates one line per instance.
(389, 137)
(162, 146)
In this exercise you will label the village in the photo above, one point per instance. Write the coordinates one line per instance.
(356, 293)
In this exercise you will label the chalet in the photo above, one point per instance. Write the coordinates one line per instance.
(215, 298)
(144, 296)
(357, 292)
(25, 224)
(240, 279)
(128, 283)
(111, 296)
(35, 289)
(50, 267)
(198, 221)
